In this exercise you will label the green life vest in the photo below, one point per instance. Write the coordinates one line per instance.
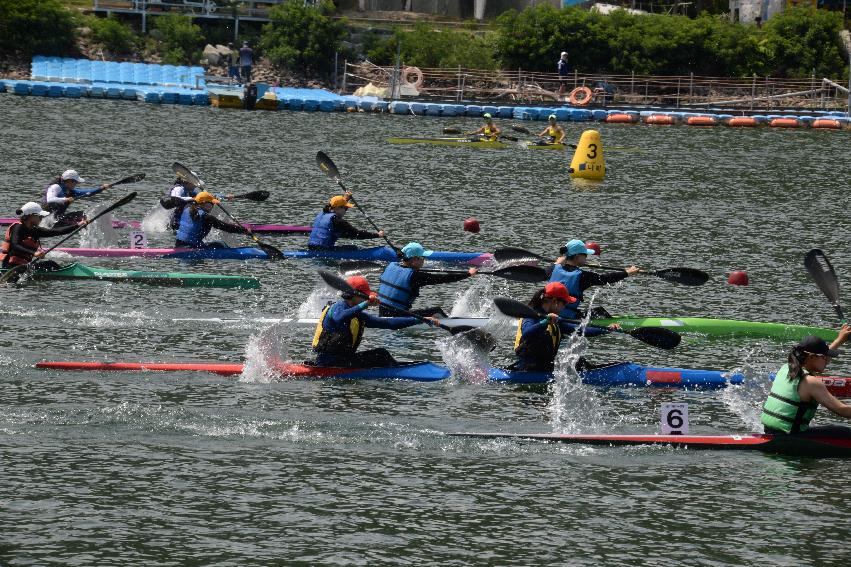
(784, 409)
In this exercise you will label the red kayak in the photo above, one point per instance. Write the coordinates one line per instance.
(215, 368)
(822, 446)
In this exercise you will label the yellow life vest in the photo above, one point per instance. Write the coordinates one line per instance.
(340, 342)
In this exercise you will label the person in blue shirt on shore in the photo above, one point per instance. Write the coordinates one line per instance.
(62, 192)
(329, 226)
(563, 73)
(568, 269)
(402, 280)
(341, 326)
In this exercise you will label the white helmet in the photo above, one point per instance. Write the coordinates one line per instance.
(72, 175)
(31, 209)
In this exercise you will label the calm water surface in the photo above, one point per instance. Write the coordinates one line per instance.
(184, 469)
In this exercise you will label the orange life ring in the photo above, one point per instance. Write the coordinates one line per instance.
(416, 71)
(577, 100)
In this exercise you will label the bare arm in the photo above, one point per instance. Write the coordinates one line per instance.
(814, 389)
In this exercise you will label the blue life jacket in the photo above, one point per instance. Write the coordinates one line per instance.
(323, 234)
(174, 222)
(570, 279)
(395, 288)
(192, 231)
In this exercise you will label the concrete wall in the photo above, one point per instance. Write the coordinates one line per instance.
(746, 11)
(462, 9)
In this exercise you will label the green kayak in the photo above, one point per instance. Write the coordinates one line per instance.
(173, 279)
(721, 327)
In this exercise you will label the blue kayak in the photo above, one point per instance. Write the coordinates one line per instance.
(417, 371)
(628, 374)
(377, 253)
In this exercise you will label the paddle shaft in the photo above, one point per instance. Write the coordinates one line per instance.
(268, 248)
(823, 274)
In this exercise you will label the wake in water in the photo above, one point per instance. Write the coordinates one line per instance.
(100, 233)
(746, 399)
(157, 220)
(477, 300)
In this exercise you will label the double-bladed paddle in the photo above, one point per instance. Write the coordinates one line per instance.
(524, 130)
(684, 276)
(821, 271)
(522, 273)
(256, 196)
(654, 336)
(135, 178)
(330, 170)
(479, 338)
(17, 270)
(274, 253)
(451, 130)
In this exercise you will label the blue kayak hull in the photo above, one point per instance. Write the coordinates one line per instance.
(628, 374)
(416, 371)
(387, 254)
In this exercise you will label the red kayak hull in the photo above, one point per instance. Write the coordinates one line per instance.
(215, 368)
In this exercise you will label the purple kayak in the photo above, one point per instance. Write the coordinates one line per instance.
(257, 228)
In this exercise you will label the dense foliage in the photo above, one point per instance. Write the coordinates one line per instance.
(793, 43)
(303, 38)
(117, 38)
(425, 46)
(182, 41)
(36, 27)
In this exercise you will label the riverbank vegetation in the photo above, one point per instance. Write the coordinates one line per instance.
(796, 43)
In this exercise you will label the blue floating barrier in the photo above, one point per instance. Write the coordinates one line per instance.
(397, 107)
(310, 104)
(505, 112)
(521, 112)
(492, 110)
(365, 105)
(152, 97)
(184, 98)
(562, 114)
(169, 97)
(418, 108)
(113, 92)
(448, 110)
(327, 105)
(581, 115)
(38, 89)
(473, 110)
(73, 91)
(599, 114)
(381, 106)
(129, 94)
(55, 90)
(295, 103)
(21, 88)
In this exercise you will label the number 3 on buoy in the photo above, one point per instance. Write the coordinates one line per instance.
(674, 419)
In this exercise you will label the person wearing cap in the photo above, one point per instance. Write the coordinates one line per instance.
(183, 191)
(553, 131)
(537, 341)
(402, 280)
(563, 72)
(568, 270)
(329, 226)
(246, 60)
(797, 390)
(489, 131)
(197, 221)
(233, 62)
(341, 326)
(22, 241)
(63, 191)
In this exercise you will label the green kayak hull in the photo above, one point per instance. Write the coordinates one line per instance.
(721, 327)
(466, 142)
(172, 279)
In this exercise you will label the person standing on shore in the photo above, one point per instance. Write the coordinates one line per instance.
(562, 73)
(246, 60)
(233, 63)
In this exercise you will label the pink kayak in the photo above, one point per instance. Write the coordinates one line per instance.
(257, 228)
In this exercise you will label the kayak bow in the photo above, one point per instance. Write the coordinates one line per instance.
(256, 228)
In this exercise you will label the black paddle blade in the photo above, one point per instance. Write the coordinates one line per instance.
(513, 308)
(169, 203)
(130, 179)
(119, 203)
(521, 129)
(327, 166)
(822, 272)
(509, 138)
(359, 266)
(479, 338)
(656, 336)
(336, 282)
(13, 274)
(271, 251)
(257, 196)
(186, 174)
(449, 130)
(685, 276)
(512, 254)
(527, 274)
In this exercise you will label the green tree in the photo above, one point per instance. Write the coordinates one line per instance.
(303, 38)
(181, 40)
(36, 27)
(425, 46)
(116, 37)
(803, 40)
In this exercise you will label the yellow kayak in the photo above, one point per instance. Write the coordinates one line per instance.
(541, 145)
(472, 142)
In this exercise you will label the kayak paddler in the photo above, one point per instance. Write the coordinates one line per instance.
(183, 192)
(62, 192)
(797, 390)
(329, 226)
(23, 239)
(537, 341)
(197, 221)
(401, 281)
(341, 325)
(568, 270)
(553, 133)
(490, 131)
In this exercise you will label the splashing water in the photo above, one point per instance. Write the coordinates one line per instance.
(156, 221)
(100, 233)
(746, 399)
(477, 300)
(311, 308)
(463, 358)
(257, 368)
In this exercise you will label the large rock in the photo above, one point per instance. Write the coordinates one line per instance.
(216, 55)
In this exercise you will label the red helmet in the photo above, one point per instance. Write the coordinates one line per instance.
(360, 284)
(557, 290)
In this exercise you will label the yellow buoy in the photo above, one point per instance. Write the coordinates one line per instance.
(588, 161)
